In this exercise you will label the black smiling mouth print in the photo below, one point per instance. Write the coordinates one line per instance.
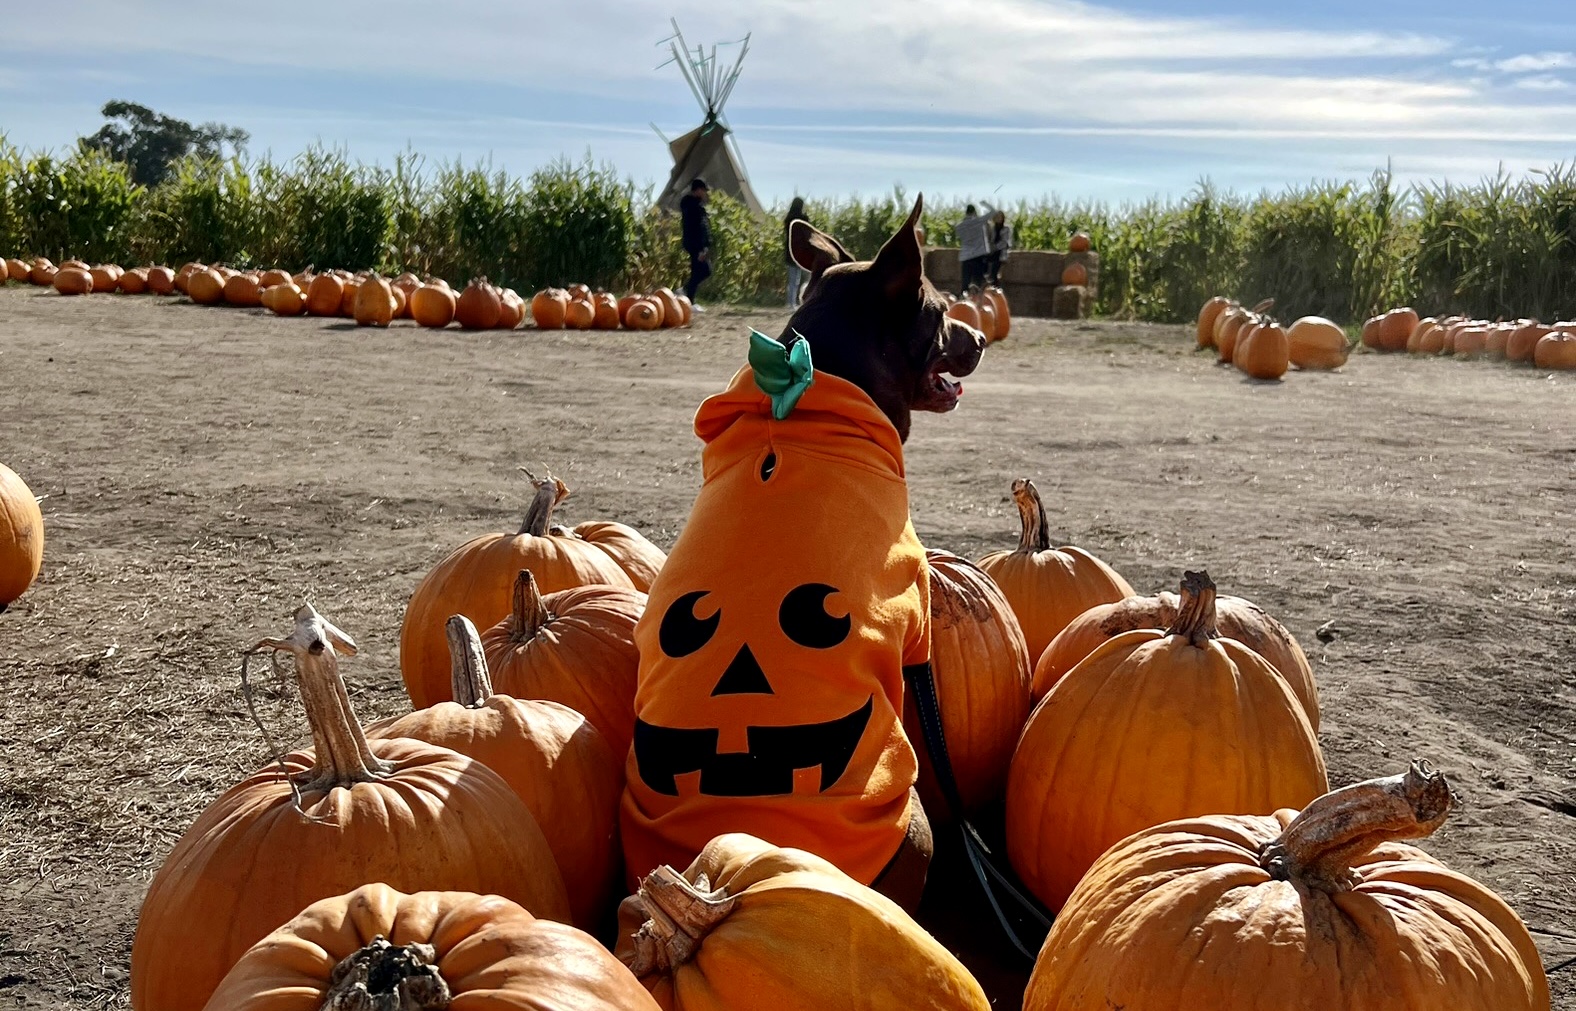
(767, 768)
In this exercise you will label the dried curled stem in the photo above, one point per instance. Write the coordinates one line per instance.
(1322, 843)
(680, 915)
(387, 977)
(1196, 609)
(341, 753)
(469, 677)
(1035, 533)
(530, 611)
(539, 514)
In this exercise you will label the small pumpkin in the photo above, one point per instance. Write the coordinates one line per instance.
(106, 277)
(17, 270)
(549, 308)
(643, 314)
(374, 302)
(476, 580)
(981, 668)
(1207, 315)
(580, 315)
(1314, 342)
(21, 536)
(432, 305)
(325, 295)
(511, 309)
(1306, 911)
(205, 286)
(1079, 243)
(551, 756)
(606, 315)
(1235, 618)
(1414, 343)
(1048, 586)
(1498, 339)
(575, 647)
(479, 306)
(427, 951)
(133, 281)
(161, 280)
(284, 300)
(1370, 335)
(749, 925)
(1470, 341)
(1431, 340)
(1523, 341)
(42, 272)
(1151, 726)
(1555, 351)
(1266, 354)
(272, 276)
(73, 281)
(402, 812)
(1075, 273)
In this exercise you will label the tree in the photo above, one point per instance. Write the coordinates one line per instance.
(151, 143)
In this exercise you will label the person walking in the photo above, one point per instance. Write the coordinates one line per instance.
(974, 247)
(1000, 245)
(796, 276)
(696, 237)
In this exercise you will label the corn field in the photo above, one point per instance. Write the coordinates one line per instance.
(1504, 246)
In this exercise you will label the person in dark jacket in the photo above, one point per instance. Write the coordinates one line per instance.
(796, 274)
(697, 236)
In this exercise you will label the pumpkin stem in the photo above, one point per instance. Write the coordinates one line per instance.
(1035, 534)
(681, 914)
(530, 611)
(539, 514)
(1335, 831)
(1196, 609)
(469, 678)
(341, 753)
(387, 977)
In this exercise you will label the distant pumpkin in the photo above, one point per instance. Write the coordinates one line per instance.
(549, 308)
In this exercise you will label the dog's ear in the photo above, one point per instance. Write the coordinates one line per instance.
(900, 266)
(814, 250)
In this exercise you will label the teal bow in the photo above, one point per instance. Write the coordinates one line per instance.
(782, 373)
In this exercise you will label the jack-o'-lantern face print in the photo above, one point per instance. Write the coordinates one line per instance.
(808, 618)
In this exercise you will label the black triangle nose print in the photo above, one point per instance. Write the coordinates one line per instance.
(743, 676)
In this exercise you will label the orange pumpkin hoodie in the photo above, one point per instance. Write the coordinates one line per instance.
(773, 644)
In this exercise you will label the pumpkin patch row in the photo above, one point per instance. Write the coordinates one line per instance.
(1524, 341)
(983, 309)
(1153, 760)
(1259, 346)
(367, 298)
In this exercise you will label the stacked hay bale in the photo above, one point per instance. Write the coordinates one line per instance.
(1031, 279)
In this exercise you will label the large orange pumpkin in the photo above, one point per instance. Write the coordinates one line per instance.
(1266, 353)
(981, 669)
(479, 306)
(1235, 618)
(477, 580)
(375, 303)
(21, 536)
(1299, 912)
(549, 308)
(16, 270)
(579, 314)
(998, 298)
(749, 925)
(73, 281)
(205, 286)
(1207, 315)
(428, 951)
(987, 311)
(1229, 326)
(1555, 351)
(643, 314)
(1314, 342)
(553, 758)
(1048, 586)
(1075, 273)
(576, 647)
(42, 272)
(1524, 341)
(133, 281)
(607, 315)
(161, 280)
(106, 277)
(243, 290)
(432, 305)
(323, 821)
(284, 300)
(1416, 339)
(1470, 341)
(623, 307)
(640, 559)
(965, 311)
(325, 295)
(1395, 327)
(1370, 334)
(668, 302)
(1151, 726)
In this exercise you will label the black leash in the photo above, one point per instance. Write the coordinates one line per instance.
(922, 683)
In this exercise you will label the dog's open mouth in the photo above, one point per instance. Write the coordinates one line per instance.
(944, 391)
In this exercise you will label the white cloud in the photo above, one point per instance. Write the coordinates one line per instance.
(1532, 63)
(1542, 82)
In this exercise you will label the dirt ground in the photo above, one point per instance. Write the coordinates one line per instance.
(205, 470)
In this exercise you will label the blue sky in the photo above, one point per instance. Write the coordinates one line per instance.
(997, 99)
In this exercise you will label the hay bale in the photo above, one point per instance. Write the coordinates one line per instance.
(1033, 266)
(1070, 301)
(943, 268)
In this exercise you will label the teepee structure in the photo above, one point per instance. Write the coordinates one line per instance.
(709, 151)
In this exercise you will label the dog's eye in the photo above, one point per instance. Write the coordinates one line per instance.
(681, 632)
(805, 620)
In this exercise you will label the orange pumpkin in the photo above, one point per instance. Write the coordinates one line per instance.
(998, 299)
(432, 305)
(1075, 273)
(640, 559)
(427, 950)
(374, 302)
(284, 300)
(1048, 586)
(1153, 725)
(1207, 315)
(479, 306)
(1370, 335)
(749, 925)
(73, 281)
(1235, 618)
(347, 301)
(688, 307)
(1299, 912)
(1555, 351)
(624, 306)
(578, 291)
(1431, 340)
(607, 315)
(981, 668)
(668, 302)
(205, 286)
(161, 280)
(243, 290)
(1523, 341)
(511, 309)
(1395, 327)
(1266, 354)
(269, 278)
(134, 281)
(575, 647)
(1498, 339)
(5, 271)
(1228, 329)
(549, 308)
(987, 313)
(1470, 341)
(325, 295)
(183, 275)
(42, 272)
(106, 277)
(21, 536)
(1414, 343)
(551, 756)
(401, 812)
(643, 314)
(477, 580)
(17, 270)
(1314, 342)
(965, 311)
(579, 315)
(1079, 243)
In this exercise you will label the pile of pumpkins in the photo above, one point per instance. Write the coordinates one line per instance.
(1545, 346)
(983, 309)
(1151, 755)
(1258, 345)
(367, 298)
